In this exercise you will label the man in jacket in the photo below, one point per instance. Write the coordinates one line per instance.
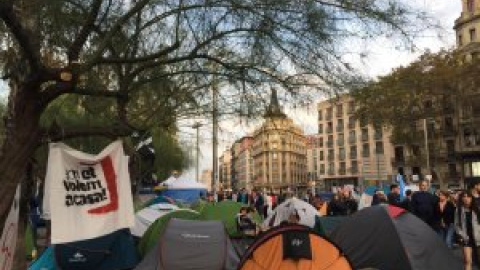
(424, 205)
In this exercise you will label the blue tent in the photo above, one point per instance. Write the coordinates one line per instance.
(46, 261)
(109, 252)
(187, 195)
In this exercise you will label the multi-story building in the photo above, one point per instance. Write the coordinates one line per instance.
(466, 118)
(279, 151)
(349, 151)
(206, 178)
(224, 170)
(446, 145)
(242, 163)
(314, 143)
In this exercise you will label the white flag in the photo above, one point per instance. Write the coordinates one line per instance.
(8, 242)
(87, 196)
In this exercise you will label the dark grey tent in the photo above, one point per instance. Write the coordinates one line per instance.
(387, 237)
(192, 244)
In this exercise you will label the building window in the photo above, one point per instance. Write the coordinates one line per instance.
(473, 34)
(320, 142)
(341, 153)
(321, 155)
(339, 110)
(379, 148)
(470, 6)
(354, 168)
(322, 168)
(460, 40)
(366, 150)
(320, 128)
(340, 125)
(320, 115)
(353, 152)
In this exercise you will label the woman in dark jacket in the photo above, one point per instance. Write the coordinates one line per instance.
(446, 213)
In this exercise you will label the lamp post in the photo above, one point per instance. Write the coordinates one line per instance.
(425, 134)
(197, 126)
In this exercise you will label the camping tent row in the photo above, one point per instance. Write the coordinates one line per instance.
(177, 241)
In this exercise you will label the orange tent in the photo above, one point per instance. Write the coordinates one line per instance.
(293, 247)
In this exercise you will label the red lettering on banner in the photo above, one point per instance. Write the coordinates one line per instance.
(111, 179)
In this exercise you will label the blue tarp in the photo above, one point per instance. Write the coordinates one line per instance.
(184, 195)
(45, 261)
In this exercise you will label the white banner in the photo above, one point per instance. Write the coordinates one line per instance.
(8, 242)
(87, 196)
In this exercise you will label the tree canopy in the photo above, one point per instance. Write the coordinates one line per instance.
(432, 85)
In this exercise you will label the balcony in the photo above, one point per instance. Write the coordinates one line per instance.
(353, 155)
(398, 161)
(331, 158)
(342, 171)
(330, 144)
(329, 130)
(352, 140)
(331, 172)
(339, 128)
(341, 157)
(340, 142)
(353, 170)
(364, 137)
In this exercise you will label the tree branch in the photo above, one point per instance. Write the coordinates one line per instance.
(21, 34)
(112, 131)
(87, 28)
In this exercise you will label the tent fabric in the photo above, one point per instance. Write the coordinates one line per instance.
(187, 195)
(160, 199)
(226, 211)
(418, 239)
(183, 183)
(151, 236)
(110, 252)
(268, 252)
(46, 261)
(183, 246)
(327, 224)
(145, 217)
(306, 212)
(373, 238)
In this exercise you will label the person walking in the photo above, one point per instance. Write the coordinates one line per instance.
(424, 205)
(446, 211)
(467, 227)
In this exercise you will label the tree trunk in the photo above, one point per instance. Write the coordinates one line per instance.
(23, 134)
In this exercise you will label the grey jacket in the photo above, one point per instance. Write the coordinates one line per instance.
(461, 229)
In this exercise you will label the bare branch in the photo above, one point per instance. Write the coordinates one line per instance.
(87, 28)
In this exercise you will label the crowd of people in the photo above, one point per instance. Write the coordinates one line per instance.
(453, 215)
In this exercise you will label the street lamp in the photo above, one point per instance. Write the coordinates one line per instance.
(197, 126)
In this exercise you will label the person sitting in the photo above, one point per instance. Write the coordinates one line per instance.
(246, 224)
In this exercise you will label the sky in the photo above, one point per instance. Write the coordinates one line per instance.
(383, 57)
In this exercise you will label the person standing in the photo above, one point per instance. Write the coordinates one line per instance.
(424, 205)
(394, 196)
(407, 202)
(467, 226)
(243, 197)
(446, 211)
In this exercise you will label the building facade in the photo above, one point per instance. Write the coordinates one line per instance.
(466, 117)
(242, 163)
(206, 178)
(224, 170)
(279, 151)
(348, 151)
(447, 145)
